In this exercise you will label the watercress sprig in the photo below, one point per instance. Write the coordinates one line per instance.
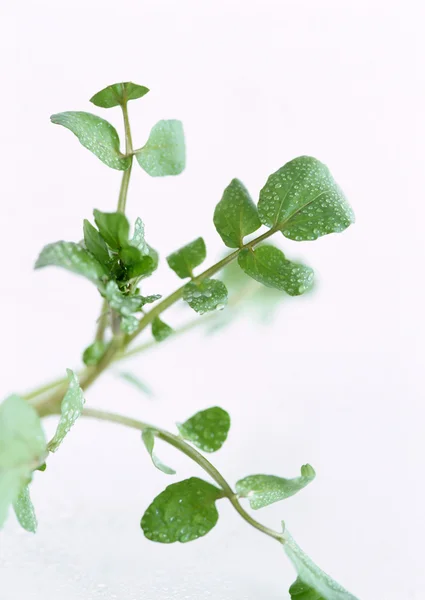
(300, 200)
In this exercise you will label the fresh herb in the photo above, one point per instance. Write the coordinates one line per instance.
(300, 200)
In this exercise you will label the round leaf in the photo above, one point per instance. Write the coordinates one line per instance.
(236, 216)
(164, 153)
(269, 266)
(184, 511)
(303, 201)
(208, 295)
(118, 93)
(207, 429)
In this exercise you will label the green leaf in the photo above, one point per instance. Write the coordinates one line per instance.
(124, 305)
(301, 591)
(97, 135)
(138, 239)
(118, 94)
(183, 512)
(24, 510)
(71, 409)
(113, 227)
(95, 244)
(262, 490)
(129, 324)
(313, 578)
(72, 257)
(93, 353)
(303, 201)
(135, 264)
(148, 438)
(184, 260)
(133, 380)
(208, 295)
(164, 153)
(22, 449)
(160, 330)
(269, 266)
(236, 215)
(207, 429)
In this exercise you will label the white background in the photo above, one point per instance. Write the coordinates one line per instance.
(335, 380)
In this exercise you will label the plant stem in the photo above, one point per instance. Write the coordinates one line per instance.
(122, 200)
(89, 375)
(182, 446)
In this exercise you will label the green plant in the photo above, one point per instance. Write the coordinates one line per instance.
(300, 201)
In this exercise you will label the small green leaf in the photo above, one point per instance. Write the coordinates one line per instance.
(311, 577)
(138, 239)
(97, 135)
(124, 305)
(269, 266)
(133, 380)
(71, 409)
(262, 490)
(207, 429)
(72, 257)
(160, 330)
(303, 201)
(236, 215)
(129, 324)
(24, 510)
(164, 153)
(184, 260)
(135, 264)
(148, 438)
(183, 512)
(208, 295)
(301, 591)
(42, 467)
(95, 244)
(118, 94)
(93, 353)
(113, 227)
(22, 449)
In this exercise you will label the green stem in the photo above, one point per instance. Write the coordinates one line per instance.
(193, 454)
(122, 200)
(89, 375)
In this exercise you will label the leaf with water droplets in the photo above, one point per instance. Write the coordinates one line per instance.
(72, 257)
(93, 353)
(148, 438)
(138, 239)
(160, 330)
(113, 227)
(71, 409)
(95, 134)
(303, 201)
(310, 577)
(210, 294)
(269, 266)
(129, 324)
(262, 490)
(135, 264)
(236, 215)
(22, 449)
(24, 510)
(164, 153)
(133, 380)
(95, 244)
(118, 94)
(185, 259)
(207, 429)
(183, 512)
